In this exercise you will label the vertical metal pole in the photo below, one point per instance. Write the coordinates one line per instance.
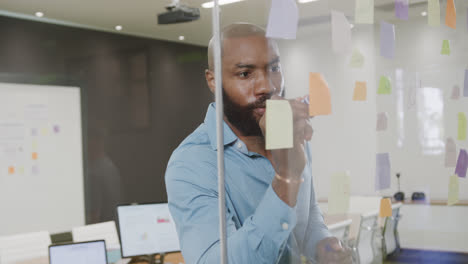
(219, 132)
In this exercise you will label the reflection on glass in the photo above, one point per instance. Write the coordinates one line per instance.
(431, 120)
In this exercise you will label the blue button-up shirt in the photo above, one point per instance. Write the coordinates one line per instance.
(259, 223)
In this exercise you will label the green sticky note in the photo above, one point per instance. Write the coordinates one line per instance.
(445, 47)
(385, 86)
(338, 198)
(433, 16)
(279, 124)
(357, 59)
(453, 190)
(461, 126)
(364, 12)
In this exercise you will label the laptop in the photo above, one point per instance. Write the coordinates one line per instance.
(89, 252)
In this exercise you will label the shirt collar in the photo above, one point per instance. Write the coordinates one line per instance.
(210, 121)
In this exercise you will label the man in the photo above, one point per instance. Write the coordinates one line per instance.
(271, 213)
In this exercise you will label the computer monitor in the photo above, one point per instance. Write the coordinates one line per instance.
(146, 229)
(90, 252)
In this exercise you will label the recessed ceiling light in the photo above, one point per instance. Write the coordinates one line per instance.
(220, 2)
(351, 25)
(424, 13)
(118, 27)
(307, 1)
(181, 37)
(39, 14)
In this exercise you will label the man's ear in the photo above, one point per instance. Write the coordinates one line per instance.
(210, 80)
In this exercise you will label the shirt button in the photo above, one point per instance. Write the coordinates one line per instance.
(239, 145)
(285, 226)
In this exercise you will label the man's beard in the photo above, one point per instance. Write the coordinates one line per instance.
(243, 117)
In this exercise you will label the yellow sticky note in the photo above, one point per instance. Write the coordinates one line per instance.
(445, 47)
(319, 95)
(433, 16)
(11, 170)
(357, 59)
(385, 86)
(451, 15)
(360, 91)
(34, 145)
(385, 207)
(21, 170)
(279, 124)
(364, 12)
(453, 190)
(461, 126)
(44, 131)
(338, 198)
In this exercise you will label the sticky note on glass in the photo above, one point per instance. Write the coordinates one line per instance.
(382, 171)
(401, 9)
(382, 121)
(450, 153)
(433, 16)
(11, 170)
(364, 12)
(445, 47)
(387, 40)
(451, 14)
(338, 199)
(461, 126)
(360, 91)
(319, 95)
(341, 32)
(279, 125)
(462, 164)
(385, 207)
(453, 191)
(455, 93)
(34, 156)
(357, 59)
(283, 19)
(465, 87)
(385, 86)
(21, 170)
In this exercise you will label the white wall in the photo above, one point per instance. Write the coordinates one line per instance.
(347, 139)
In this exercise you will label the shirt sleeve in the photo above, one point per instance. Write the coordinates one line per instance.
(193, 202)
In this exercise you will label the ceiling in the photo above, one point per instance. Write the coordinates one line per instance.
(138, 17)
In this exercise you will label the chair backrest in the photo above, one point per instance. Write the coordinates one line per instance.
(26, 246)
(340, 229)
(365, 239)
(391, 241)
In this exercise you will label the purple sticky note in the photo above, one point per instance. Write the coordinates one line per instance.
(465, 89)
(56, 129)
(382, 171)
(34, 132)
(35, 169)
(387, 40)
(401, 9)
(462, 164)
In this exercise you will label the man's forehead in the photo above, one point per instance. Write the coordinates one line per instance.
(249, 46)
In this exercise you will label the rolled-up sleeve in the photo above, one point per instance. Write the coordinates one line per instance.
(193, 202)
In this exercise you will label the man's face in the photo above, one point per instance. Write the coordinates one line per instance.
(251, 75)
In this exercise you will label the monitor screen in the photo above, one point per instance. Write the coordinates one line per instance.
(146, 229)
(92, 252)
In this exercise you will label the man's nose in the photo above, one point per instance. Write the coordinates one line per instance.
(264, 84)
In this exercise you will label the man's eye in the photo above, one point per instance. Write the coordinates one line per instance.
(276, 68)
(244, 74)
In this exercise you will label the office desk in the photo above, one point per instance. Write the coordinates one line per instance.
(335, 218)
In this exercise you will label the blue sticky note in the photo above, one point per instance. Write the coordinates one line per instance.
(465, 89)
(401, 9)
(382, 171)
(387, 40)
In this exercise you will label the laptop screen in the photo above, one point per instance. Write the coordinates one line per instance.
(93, 252)
(146, 229)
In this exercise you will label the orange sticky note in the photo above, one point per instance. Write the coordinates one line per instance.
(360, 91)
(11, 170)
(34, 155)
(319, 95)
(385, 207)
(451, 15)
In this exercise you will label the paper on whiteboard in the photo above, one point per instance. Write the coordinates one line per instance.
(105, 230)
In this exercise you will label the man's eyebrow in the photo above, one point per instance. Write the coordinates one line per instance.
(274, 61)
(242, 65)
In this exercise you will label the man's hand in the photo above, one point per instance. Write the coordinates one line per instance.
(330, 250)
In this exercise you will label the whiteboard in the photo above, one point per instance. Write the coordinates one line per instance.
(41, 158)
(421, 113)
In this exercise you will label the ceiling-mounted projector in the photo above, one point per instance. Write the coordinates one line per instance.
(177, 13)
